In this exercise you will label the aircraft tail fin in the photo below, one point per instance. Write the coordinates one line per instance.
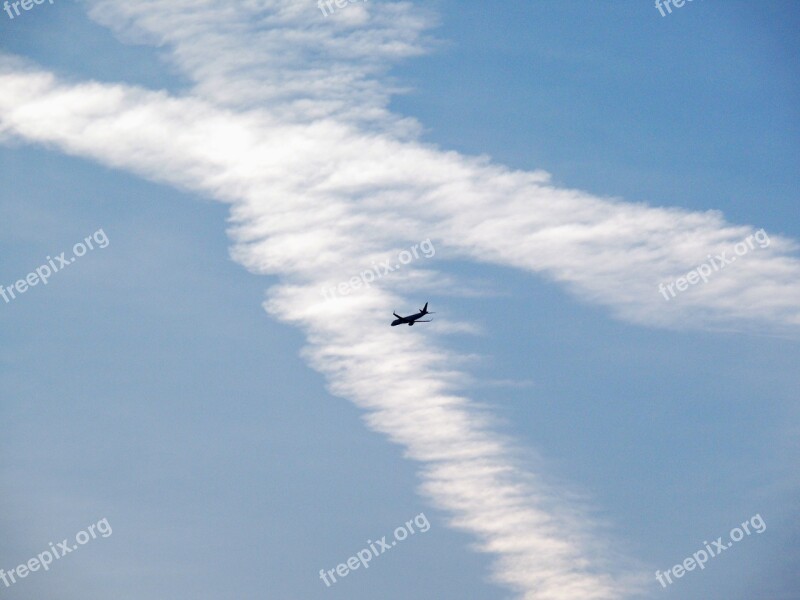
(424, 309)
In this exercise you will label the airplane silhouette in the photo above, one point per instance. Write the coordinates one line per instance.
(411, 319)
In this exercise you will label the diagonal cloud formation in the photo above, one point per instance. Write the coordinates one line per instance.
(283, 56)
(314, 168)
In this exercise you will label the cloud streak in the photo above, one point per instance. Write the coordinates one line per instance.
(286, 121)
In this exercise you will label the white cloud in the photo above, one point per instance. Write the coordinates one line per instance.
(287, 123)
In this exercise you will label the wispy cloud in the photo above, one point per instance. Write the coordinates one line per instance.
(286, 121)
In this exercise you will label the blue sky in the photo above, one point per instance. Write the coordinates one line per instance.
(236, 452)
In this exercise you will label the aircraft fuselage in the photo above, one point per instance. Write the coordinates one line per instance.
(411, 319)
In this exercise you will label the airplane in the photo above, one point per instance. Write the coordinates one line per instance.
(411, 319)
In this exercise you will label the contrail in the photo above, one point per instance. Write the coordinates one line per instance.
(286, 121)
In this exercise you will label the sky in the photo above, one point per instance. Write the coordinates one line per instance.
(209, 402)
